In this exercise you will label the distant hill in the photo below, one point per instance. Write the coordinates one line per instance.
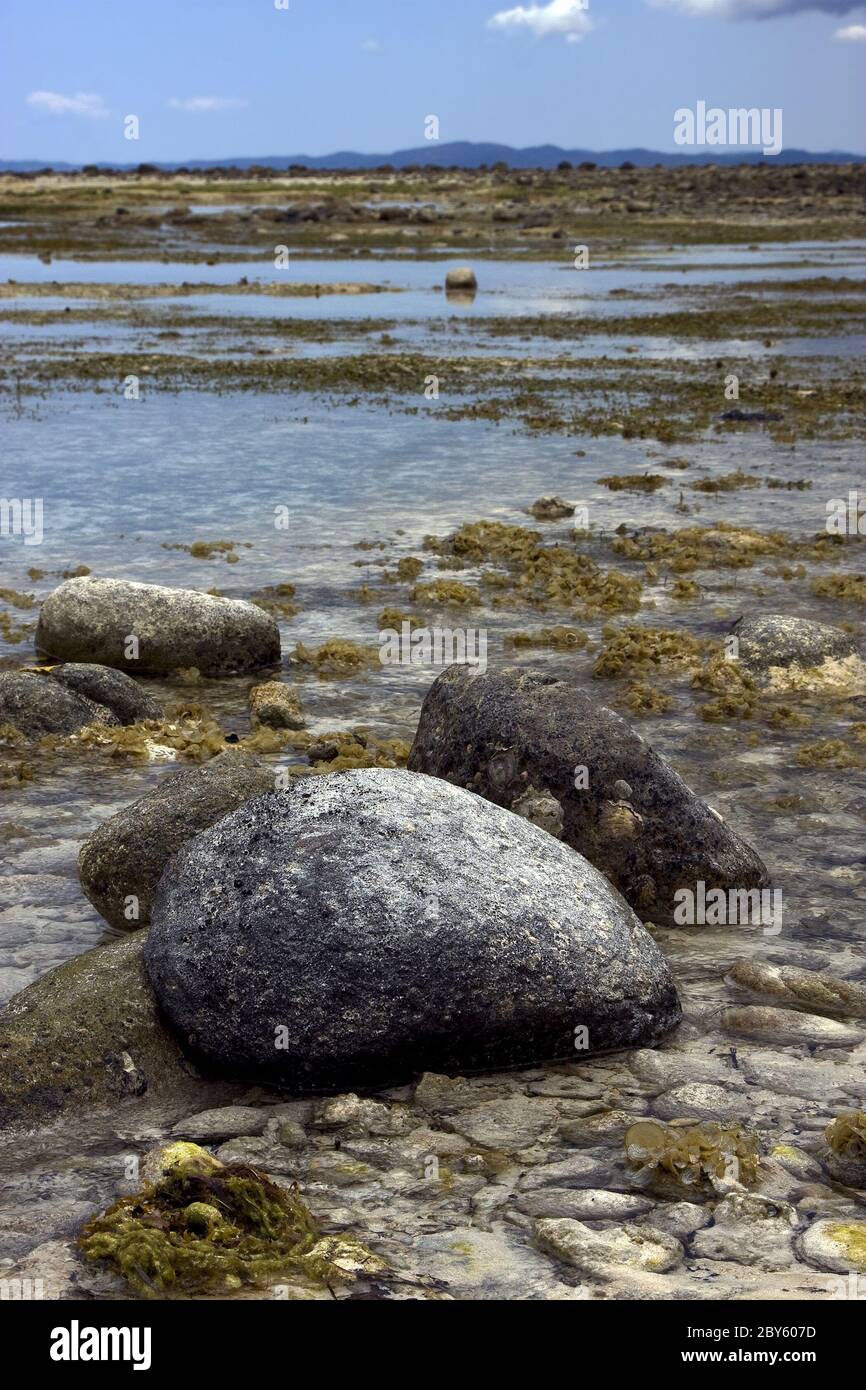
(466, 155)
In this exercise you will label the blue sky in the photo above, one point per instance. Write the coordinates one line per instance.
(222, 78)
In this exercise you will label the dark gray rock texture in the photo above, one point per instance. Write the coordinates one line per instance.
(499, 732)
(369, 925)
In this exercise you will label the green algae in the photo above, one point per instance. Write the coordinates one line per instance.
(638, 482)
(449, 592)
(203, 1228)
(694, 1155)
(559, 638)
(635, 650)
(846, 1135)
(336, 657)
(735, 692)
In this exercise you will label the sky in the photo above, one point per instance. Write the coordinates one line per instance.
(213, 79)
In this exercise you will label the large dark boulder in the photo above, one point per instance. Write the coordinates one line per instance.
(369, 925)
(623, 807)
(124, 857)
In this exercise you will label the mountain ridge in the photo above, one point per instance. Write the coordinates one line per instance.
(466, 154)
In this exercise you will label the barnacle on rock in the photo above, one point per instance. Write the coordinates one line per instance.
(696, 1155)
(201, 1227)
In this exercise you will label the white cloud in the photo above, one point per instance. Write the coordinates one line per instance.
(755, 9)
(854, 33)
(371, 45)
(205, 103)
(567, 17)
(87, 104)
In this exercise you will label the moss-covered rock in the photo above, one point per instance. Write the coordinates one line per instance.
(87, 1034)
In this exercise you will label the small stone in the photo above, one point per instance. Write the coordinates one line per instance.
(788, 1026)
(510, 1125)
(703, 1101)
(787, 984)
(276, 705)
(228, 1122)
(839, 1246)
(583, 1204)
(593, 1251)
(749, 1230)
(551, 509)
(461, 278)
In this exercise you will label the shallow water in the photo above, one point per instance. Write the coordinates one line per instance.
(120, 480)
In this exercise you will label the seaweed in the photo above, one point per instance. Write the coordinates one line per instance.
(695, 1155)
(204, 1228)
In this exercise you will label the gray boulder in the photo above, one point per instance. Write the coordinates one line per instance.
(374, 924)
(113, 689)
(124, 858)
(93, 619)
(778, 639)
(34, 704)
(623, 806)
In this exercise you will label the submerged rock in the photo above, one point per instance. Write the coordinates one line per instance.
(806, 989)
(121, 862)
(790, 653)
(34, 704)
(500, 732)
(149, 628)
(789, 1026)
(373, 924)
(276, 705)
(87, 1034)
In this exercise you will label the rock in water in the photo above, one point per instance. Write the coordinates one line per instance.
(86, 1034)
(113, 689)
(34, 704)
(499, 732)
(462, 277)
(373, 924)
(91, 620)
(121, 862)
(790, 653)
(276, 705)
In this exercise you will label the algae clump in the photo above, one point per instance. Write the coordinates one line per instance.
(203, 1228)
(695, 1155)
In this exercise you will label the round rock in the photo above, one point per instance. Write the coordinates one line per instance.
(34, 704)
(782, 640)
(92, 620)
(121, 862)
(462, 277)
(370, 925)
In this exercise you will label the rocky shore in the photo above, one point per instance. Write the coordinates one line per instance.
(437, 1019)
